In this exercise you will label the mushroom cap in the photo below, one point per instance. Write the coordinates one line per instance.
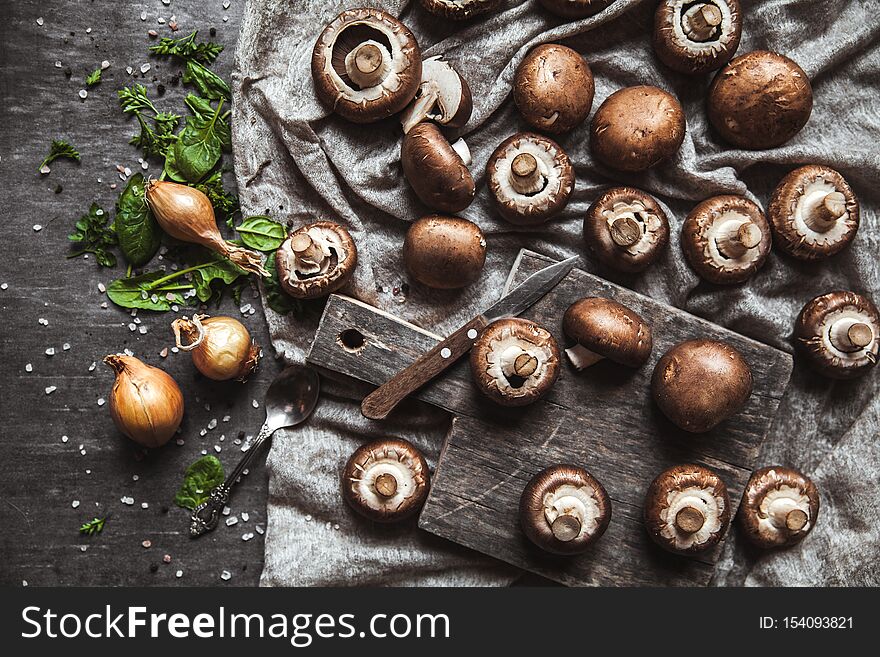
(553, 88)
(681, 50)
(437, 174)
(702, 229)
(443, 97)
(556, 171)
(700, 383)
(814, 335)
(444, 252)
(609, 329)
(513, 345)
(388, 456)
(575, 8)
(341, 36)
(570, 492)
(760, 100)
(779, 507)
(637, 128)
(644, 209)
(322, 270)
(793, 200)
(679, 489)
(459, 10)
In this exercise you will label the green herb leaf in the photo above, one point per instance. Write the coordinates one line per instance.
(225, 203)
(209, 84)
(136, 228)
(156, 139)
(204, 110)
(198, 147)
(261, 233)
(200, 478)
(95, 236)
(93, 78)
(155, 290)
(59, 148)
(93, 526)
(278, 300)
(205, 277)
(187, 48)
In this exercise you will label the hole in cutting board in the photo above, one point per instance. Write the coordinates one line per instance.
(351, 340)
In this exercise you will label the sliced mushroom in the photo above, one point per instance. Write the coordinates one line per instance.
(366, 65)
(839, 333)
(687, 509)
(726, 239)
(443, 97)
(604, 328)
(530, 177)
(553, 88)
(637, 128)
(444, 252)
(760, 100)
(564, 509)
(813, 213)
(575, 8)
(779, 507)
(437, 170)
(697, 37)
(386, 480)
(315, 260)
(459, 10)
(514, 362)
(700, 383)
(626, 229)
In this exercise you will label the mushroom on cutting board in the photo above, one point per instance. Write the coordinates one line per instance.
(700, 383)
(687, 509)
(530, 177)
(366, 65)
(839, 333)
(637, 128)
(813, 213)
(459, 10)
(697, 37)
(726, 239)
(553, 88)
(444, 252)
(437, 170)
(626, 229)
(444, 97)
(315, 260)
(386, 480)
(514, 362)
(604, 328)
(779, 507)
(563, 509)
(760, 100)
(575, 8)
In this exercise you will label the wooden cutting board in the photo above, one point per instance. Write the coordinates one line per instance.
(602, 419)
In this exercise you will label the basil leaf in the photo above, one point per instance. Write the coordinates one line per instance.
(209, 84)
(198, 147)
(219, 269)
(261, 233)
(149, 291)
(138, 232)
(278, 300)
(200, 478)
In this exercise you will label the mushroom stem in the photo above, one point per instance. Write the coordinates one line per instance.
(825, 213)
(421, 107)
(850, 334)
(699, 22)
(625, 230)
(795, 520)
(525, 365)
(689, 520)
(784, 513)
(736, 237)
(386, 485)
(306, 249)
(565, 528)
(525, 175)
(463, 151)
(581, 357)
(368, 64)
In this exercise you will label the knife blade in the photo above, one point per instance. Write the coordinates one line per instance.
(379, 403)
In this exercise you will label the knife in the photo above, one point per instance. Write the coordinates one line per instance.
(379, 403)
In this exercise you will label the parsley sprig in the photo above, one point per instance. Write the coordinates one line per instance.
(188, 48)
(157, 128)
(95, 236)
(59, 148)
(93, 78)
(93, 526)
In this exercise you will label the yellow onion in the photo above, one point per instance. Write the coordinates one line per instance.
(221, 347)
(187, 214)
(146, 404)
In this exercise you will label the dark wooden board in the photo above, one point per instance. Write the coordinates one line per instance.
(602, 418)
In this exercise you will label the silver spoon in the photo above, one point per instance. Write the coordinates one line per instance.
(290, 399)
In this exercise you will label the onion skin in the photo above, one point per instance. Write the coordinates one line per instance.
(145, 403)
(221, 347)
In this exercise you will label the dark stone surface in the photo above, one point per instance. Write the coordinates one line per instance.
(40, 476)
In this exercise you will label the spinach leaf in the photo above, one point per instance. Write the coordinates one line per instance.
(261, 233)
(198, 147)
(137, 230)
(171, 169)
(278, 300)
(204, 110)
(155, 290)
(209, 84)
(200, 478)
(95, 236)
(217, 269)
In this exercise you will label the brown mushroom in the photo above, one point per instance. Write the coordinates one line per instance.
(553, 88)
(626, 229)
(779, 507)
(575, 8)
(813, 213)
(839, 333)
(760, 100)
(687, 509)
(726, 239)
(459, 10)
(604, 328)
(514, 361)
(697, 37)
(444, 97)
(444, 252)
(366, 65)
(530, 177)
(700, 383)
(637, 128)
(315, 260)
(386, 480)
(437, 170)
(564, 509)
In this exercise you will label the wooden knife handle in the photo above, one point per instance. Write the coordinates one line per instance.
(379, 403)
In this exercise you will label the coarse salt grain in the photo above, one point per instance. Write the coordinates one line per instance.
(178, 574)
(226, 418)
(248, 536)
(57, 63)
(145, 505)
(66, 346)
(260, 529)
(132, 327)
(37, 228)
(167, 558)
(255, 403)
(93, 366)
(40, 21)
(142, 330)
(64, 439)
(226, 511)
(147, 544)
(212, 424)
(125, 499)
(217, 448)
(225, 575)
(83, 94)
(50, 351)
(231, 520)
(74, 504)
(129, 70)
(102, 288)
(88, 30)
(145, 68)
(164, 353)
(180, 441)
(143, 15)
(100, 401)
(28, 368)
(45, 169)
(51, 389)
(105, 65)
(245, 516)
